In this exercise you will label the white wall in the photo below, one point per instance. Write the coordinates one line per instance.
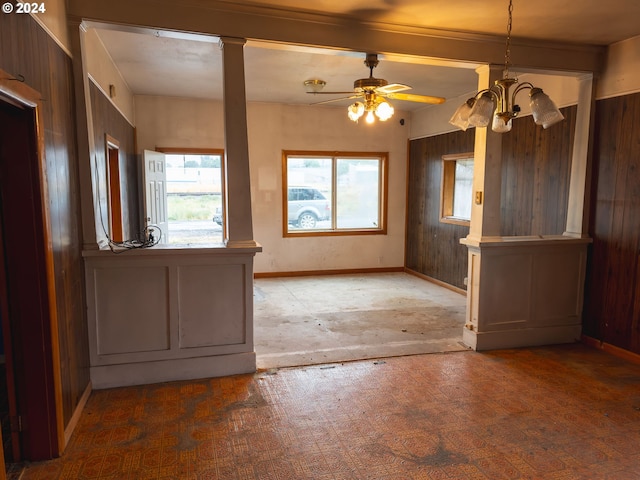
(102, 69)
(273, 128)
(621, 74)
(54, 21)
(176, 122)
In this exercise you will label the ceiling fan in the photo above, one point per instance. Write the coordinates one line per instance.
(373, 92)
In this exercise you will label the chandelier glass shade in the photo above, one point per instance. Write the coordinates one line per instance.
(497, 105)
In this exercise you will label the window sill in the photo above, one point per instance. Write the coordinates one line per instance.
(455, 221)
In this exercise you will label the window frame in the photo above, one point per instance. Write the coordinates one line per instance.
(447, 187)
(383, 159)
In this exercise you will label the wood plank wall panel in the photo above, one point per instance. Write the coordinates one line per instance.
(536, 169)
(433, 248)
(108, 120)
(47, 69)
(612, 293)
(535, 186)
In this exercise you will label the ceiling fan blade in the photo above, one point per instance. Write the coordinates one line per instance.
(331, 93)
(336, 99)
(392, 88)
(410, 97)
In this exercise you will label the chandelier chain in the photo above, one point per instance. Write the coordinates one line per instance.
(507, 52)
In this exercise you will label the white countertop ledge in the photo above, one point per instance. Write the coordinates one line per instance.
(176, 250)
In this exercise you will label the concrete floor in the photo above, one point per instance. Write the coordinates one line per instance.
(337, 318)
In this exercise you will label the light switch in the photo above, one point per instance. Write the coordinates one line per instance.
(478, 198)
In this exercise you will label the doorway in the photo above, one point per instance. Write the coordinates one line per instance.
(27, 298)
(115, 197)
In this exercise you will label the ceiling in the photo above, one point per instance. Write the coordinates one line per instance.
(159, 64)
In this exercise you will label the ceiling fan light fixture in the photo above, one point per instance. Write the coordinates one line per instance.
(498, 104)
(355, 111)
(384, 111)
(373, 93)
(314, 85)
(370, 118)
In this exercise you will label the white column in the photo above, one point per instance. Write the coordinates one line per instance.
(577, 210)
(84, 139)
(487, 170)
(237, 188)
(523, 291)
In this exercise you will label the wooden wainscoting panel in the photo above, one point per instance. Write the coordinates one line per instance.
(47, 69)
(611, 293)
(432, 247)
(536, 169)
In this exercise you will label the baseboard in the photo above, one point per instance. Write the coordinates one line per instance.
(344, 271)
(521, 337)
(75, 418)
(157, 371)
(436, 281)
(611, 349)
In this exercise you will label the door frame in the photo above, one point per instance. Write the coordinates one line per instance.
(112, 155)
(17, 93)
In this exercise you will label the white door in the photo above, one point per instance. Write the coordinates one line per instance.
(155, 197)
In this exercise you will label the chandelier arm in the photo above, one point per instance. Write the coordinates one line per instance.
(495, 95)
(519, 88)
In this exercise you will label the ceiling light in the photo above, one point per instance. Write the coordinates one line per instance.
(355, 111)
(373, 104)
(370, 118)
(384, 110)
(499, 102)
(314, 85)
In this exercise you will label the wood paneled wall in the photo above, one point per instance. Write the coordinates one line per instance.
(108, 120)
(612, 295)
(27, 51)
(536, 169)
(433, 248)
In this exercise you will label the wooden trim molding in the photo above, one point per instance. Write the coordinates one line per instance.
(18, 92)
(447, 186)
(436, 281)
(114, 203)
(345, 271)
(383, 202)
(611, 349)
(75, 418)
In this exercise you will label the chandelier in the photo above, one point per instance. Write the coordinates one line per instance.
(497, 104)
(374, 106)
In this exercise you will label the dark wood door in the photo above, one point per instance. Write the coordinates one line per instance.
(9, 411)
(25, 272)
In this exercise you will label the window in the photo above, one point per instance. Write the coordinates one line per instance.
(334, 193)
(457, 186)
(194, 195)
